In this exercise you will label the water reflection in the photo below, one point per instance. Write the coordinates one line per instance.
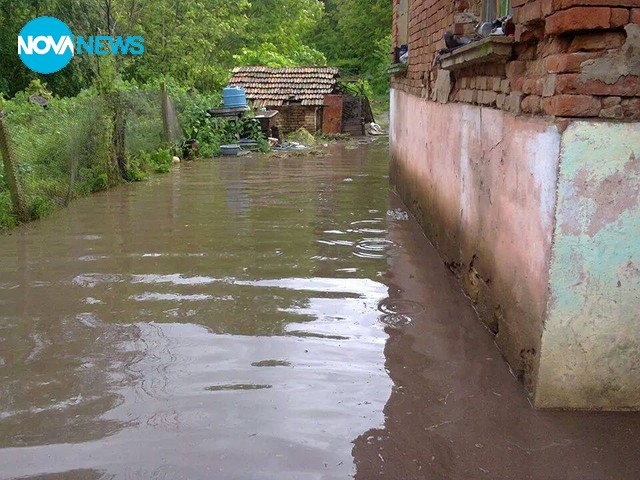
(206, 324)
(455, 411)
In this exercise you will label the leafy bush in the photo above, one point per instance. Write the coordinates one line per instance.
(66, 149)
(212, 132)
(156, 162)
(302, 136)
(7, 219)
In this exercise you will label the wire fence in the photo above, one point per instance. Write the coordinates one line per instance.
(59, 149)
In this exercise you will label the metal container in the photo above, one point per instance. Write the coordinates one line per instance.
(230, 150)
(234, 97)
(248, 144)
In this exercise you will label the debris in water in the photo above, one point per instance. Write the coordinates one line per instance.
(397, 214)
(271, 363)
(237, 386)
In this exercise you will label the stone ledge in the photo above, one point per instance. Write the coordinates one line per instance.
(397, 69)
(492, 49)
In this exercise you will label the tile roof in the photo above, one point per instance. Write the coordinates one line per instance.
(269, 86)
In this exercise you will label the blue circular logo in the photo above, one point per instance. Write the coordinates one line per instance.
(45, 45)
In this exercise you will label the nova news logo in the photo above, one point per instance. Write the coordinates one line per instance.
(46, 45)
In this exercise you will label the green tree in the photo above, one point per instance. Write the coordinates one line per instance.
(277, 33)
(355, 35)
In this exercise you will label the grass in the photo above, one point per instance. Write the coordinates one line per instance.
(65, 150)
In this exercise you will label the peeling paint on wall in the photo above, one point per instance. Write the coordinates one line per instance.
(590, 354)
(482, 182)
(543, 229)
(543, 172)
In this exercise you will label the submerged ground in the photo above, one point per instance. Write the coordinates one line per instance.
(279, 318)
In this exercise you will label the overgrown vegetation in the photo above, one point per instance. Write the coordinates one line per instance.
(65, 149)
(211, 132)
(71, 146)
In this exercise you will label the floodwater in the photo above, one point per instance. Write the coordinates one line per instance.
(263, 318)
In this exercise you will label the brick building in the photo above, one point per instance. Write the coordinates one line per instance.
(520, 156)
(304, 96)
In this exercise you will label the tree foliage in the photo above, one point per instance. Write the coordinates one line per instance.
(197, 42)
(355, 35)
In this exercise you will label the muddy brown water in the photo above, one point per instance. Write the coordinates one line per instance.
(264, 319)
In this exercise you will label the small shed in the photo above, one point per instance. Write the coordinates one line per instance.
(305, 96)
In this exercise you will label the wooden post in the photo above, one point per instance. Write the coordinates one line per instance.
(165, 112)
(119, 127)
(11, 172)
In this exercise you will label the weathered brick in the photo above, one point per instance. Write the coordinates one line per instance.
(571, 106)
(578, 18)
(488, 97)
(517, 83)
(566, 83)
(531, 104)
(625, 86)
(553, 46)
(608, 102)
(547, 7)
(528, 13)
(562, 4)
(539, 61)
(513, 101)
(467, 96)
(514, 69)
(527, 32)
(619, 17)
(526, 51)
(568, 62)
(536, 68)
(549, 87)
(631, 108)
(597, 41)
(460, 5)
(612, 112)
(532, 86)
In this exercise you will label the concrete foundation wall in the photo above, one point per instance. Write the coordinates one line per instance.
(483, 184)
(591, 341)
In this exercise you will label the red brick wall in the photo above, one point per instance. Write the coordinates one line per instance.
(572, 58)
(293, 117)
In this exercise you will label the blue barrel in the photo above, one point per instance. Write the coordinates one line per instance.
(234, 97)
